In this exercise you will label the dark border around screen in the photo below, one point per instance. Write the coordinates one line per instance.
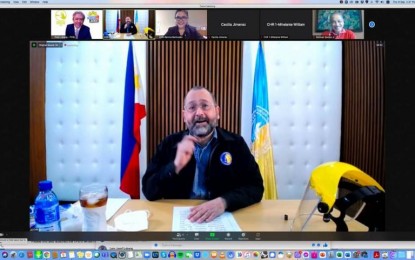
(14, 135)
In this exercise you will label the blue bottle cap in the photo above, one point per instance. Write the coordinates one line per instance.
(45, 185)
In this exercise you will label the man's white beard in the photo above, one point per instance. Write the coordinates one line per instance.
(202, 131)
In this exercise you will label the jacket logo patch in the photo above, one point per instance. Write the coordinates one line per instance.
(226, 158)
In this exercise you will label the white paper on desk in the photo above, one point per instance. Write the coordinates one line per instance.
(113, 205)
(225, 222)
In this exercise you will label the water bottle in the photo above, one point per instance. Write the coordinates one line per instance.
(47, 208)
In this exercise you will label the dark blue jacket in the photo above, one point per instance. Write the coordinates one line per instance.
(84, 33)
(237, 180)
(130, 29)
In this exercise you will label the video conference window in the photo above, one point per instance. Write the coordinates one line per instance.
(338, 24)
(129, 24)
(307, 95)
(181, 24)
(76, 24)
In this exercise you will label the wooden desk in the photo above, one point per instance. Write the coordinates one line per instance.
(268, 215)
(124, 36)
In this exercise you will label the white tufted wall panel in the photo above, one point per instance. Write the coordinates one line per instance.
(304, 86)
(84, 105)
(111, 21)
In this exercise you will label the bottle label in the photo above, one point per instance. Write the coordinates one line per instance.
(47, 215)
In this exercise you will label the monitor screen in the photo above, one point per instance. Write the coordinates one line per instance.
(266, 127)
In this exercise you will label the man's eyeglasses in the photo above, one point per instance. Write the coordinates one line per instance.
(180, 18)
(191, 108)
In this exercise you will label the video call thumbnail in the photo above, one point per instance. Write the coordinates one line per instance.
(76, 25)
(129, 24)
(181, 24)
(338, 24)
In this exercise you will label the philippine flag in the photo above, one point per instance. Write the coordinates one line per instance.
(134, 111)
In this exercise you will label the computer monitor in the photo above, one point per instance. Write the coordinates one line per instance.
(328, 100)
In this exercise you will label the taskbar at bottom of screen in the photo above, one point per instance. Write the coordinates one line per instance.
(209, 236)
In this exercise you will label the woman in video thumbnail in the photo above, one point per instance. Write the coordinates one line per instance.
(182, 28)
(337, 30)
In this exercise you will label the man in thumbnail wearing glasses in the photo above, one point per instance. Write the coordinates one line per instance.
(77, 30)
(183, 30)
(337, 30)
(204, 162)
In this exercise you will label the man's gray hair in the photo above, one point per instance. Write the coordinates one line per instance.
(78, 12)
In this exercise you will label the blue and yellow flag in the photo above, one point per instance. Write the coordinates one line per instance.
(137, 25)
(260, 135)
